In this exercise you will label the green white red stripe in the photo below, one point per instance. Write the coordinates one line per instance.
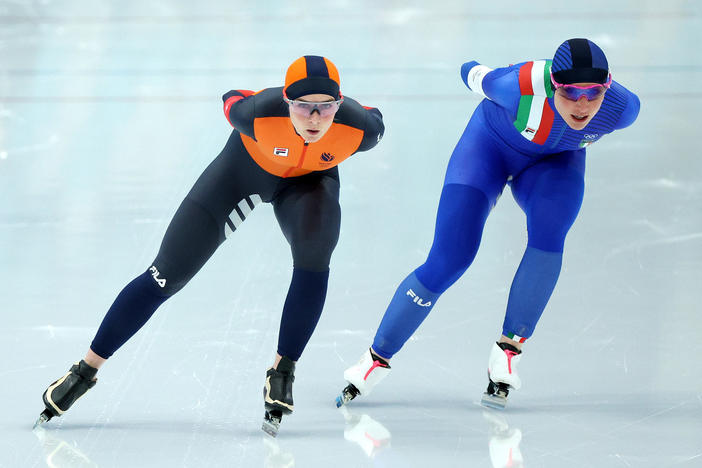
(517, 338)
(534, 115)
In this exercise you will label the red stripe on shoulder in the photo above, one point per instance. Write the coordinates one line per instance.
(525, 79)
(228, 105)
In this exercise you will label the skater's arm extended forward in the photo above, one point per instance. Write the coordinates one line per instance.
(367, 119)
(500, 85)
(239, 110)
(631, 110)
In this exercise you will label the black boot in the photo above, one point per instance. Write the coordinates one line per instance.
(65, 391)
(277, 392)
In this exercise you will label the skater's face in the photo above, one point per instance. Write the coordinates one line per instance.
(577, 114)
(313, 114)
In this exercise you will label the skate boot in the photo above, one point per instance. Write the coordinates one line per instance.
(502, 372)
(65, 391)
(277, 395)
(363, 376)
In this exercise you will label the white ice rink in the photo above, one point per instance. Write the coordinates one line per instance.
(110, 110)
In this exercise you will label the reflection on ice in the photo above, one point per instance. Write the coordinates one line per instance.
(275, 456)
(365, 431)
(504, 442)
(59, 453)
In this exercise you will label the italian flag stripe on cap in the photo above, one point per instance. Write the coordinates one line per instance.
(534, 114)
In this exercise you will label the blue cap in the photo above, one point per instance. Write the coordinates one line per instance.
(579, 61)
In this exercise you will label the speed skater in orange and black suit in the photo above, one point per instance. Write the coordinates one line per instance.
(284, 150)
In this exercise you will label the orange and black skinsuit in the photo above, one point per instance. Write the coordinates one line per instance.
(269, 137)
(265, 160)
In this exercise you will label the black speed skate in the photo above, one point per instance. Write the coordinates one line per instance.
(61, 394)
(277, 395)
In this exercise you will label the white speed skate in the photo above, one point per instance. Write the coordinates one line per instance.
(362, 377)
(502, 372)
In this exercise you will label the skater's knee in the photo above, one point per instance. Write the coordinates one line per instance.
(314, 253)
(164, 281)
(439, 272)
(550, 216)
(548, 235)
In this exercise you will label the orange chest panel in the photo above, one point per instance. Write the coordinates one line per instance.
(282, 152)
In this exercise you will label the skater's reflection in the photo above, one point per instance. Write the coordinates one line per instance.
(504, 441)
(368, 433)
(275, 456)
(61, 454)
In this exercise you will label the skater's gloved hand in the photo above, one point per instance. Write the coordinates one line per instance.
(467, 67)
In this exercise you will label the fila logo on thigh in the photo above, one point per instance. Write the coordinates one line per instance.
(154, 273)
(417, 300)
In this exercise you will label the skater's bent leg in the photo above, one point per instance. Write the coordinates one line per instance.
(551, 194)
(460, 220)
(461, 217)
(131, 309)
(191, 238)
(301, 312)
(531, 289)
(408, 308)
(310, 218)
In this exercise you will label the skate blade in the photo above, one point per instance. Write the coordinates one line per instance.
(347, 394)
(493, 401)
(271, 424)
(342, 399)
(44, 417)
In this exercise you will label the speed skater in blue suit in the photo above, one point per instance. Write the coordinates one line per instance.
(530, 131)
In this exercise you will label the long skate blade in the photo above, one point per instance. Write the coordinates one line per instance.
(494, 401)
(271, 424)
(45, 416)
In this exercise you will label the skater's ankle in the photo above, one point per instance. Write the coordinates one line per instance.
(278, 357)
(379, 358)
(510, 341)
(93, 360)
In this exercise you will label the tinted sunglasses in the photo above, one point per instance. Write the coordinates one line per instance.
(305, 108)
(575, 92)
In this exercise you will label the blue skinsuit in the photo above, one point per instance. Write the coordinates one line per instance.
(515, 136)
